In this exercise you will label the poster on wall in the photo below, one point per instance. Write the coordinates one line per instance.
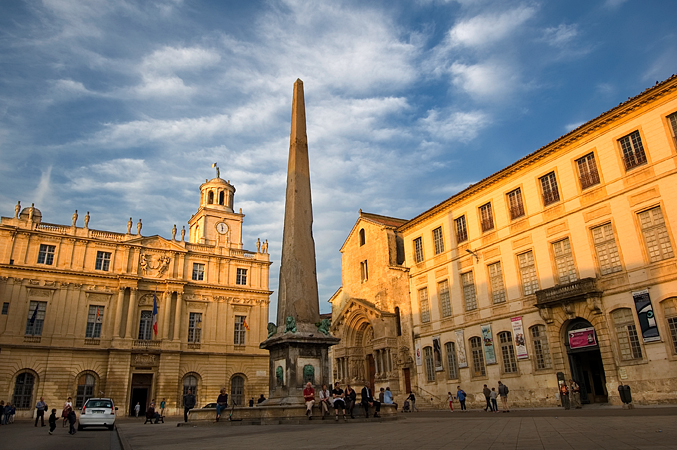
(488, 343)
(518, 333)
(437, 353)
(647, 320)
(460, 349)
(583, 337)
(419, 359)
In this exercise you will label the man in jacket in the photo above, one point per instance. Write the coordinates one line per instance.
(368, 400)
(487, 395)
(309, 398)
(503, 393)
(188, 404)
(41, 407)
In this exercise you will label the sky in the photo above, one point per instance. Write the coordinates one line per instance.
(119, 107)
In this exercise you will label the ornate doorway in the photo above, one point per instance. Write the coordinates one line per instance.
(585, 361)
(372, 372)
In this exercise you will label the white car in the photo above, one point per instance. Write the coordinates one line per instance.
(98, 412)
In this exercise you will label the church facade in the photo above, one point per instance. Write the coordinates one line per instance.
(87, 312)
(562, 265)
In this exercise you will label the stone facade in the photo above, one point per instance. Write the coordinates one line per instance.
(94, 291)
(554, 247)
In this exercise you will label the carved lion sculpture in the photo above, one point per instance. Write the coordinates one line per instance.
(279, 376)
(323, 326)
(290, 324)
(272, 329)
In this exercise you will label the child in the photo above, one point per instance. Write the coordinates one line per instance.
(52, 421)
(72, 418)
(493, 397)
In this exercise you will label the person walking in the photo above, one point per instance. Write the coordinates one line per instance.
(309, 398)
(575, 394)
(325, 400)
(412, 402)
(487, 396)
(494, 397)
(564, 395)
(503, 393)
(52, 421)
(67, 406)
(460, 395)
(5, 413)
(221, 403)
(450, 399)
(72, 418)
(11, 413)
(163, 404)
(41, 407)
(339, 403)
(188, 404)
(137, 409)
(368, 400)
(350, 398)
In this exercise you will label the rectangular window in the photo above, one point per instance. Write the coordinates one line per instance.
(541, 347)
(468, 282)
(486, 217)
(425, 305)
(507, 352)
(672, 325)
(46, 254)
(496, 279)
(239, 330)
(429, 364)
(364, 271)
(452, 362)
(36, 318)
(633, 150)
(655, 234)
(564, 260)
(198, 272)
(146, 326)
(527, 266)
(438, 239)
(606, 249)
(587, 171)
(626, 332)
(549, 189)
(672, 119)
(5, 308)
(477, 357)
(102, 261)
(94, 321)
(445, 300)
(241, 276)
(418, 250)
(515, 204)
(461, 230)
(194, 327)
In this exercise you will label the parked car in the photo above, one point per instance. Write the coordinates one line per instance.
(98, 412)
(210, 405)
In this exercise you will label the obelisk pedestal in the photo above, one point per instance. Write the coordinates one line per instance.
(299, 346)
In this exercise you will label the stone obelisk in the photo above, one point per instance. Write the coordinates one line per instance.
(299, 344)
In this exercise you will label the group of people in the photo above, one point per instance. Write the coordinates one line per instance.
(344, 401)
(7, 412)
(490, 395)
(570, 394)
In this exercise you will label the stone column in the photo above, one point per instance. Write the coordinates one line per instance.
(130, 314)
(177, 317)
(167, 304)
(118, 312)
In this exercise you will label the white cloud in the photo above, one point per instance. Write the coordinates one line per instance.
(44, 187)
(486, 29)
(489, 79)
(613, 4)
(561, 35)
(457, 126)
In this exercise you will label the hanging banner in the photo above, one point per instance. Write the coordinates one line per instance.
(488, 341)
(460, 349)
(437, 353)
(647, 320)
(583, 337)
(518, 333)
(419, 358)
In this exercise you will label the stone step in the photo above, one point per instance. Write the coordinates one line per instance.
(314, 420)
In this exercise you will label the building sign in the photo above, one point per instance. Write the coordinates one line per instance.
(518, 333)
(460, 349)
(647, 320)
(419, 359)
(488, 343)
(581, 338)
(437, 353)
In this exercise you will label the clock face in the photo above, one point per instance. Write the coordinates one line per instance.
(222, 228)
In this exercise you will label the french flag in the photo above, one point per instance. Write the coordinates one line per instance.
(155, 313)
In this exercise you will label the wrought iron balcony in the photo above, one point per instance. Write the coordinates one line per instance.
(579, 290)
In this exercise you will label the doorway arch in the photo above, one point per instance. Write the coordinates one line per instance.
(585, 360)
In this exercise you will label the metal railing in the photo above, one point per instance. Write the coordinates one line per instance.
(578, 289)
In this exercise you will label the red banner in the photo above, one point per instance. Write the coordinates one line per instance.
(584, 337)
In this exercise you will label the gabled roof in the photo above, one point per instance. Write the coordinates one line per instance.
(384, 221)
(156, 241)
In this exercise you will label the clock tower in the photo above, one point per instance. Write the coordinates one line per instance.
(215, 222)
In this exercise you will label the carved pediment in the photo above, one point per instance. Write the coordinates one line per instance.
(157, 243)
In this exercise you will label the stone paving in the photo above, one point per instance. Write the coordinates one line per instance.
(614, 429)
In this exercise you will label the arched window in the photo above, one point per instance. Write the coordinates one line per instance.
(507, 352)
(237, 390)
(23, 391)
(429, 364)
(452, 363)
(222, 196)
(85, 391)
(210, 197)
(362, 238)
(626, 333)
(477, 357)
(190, 383)
(541, 347)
